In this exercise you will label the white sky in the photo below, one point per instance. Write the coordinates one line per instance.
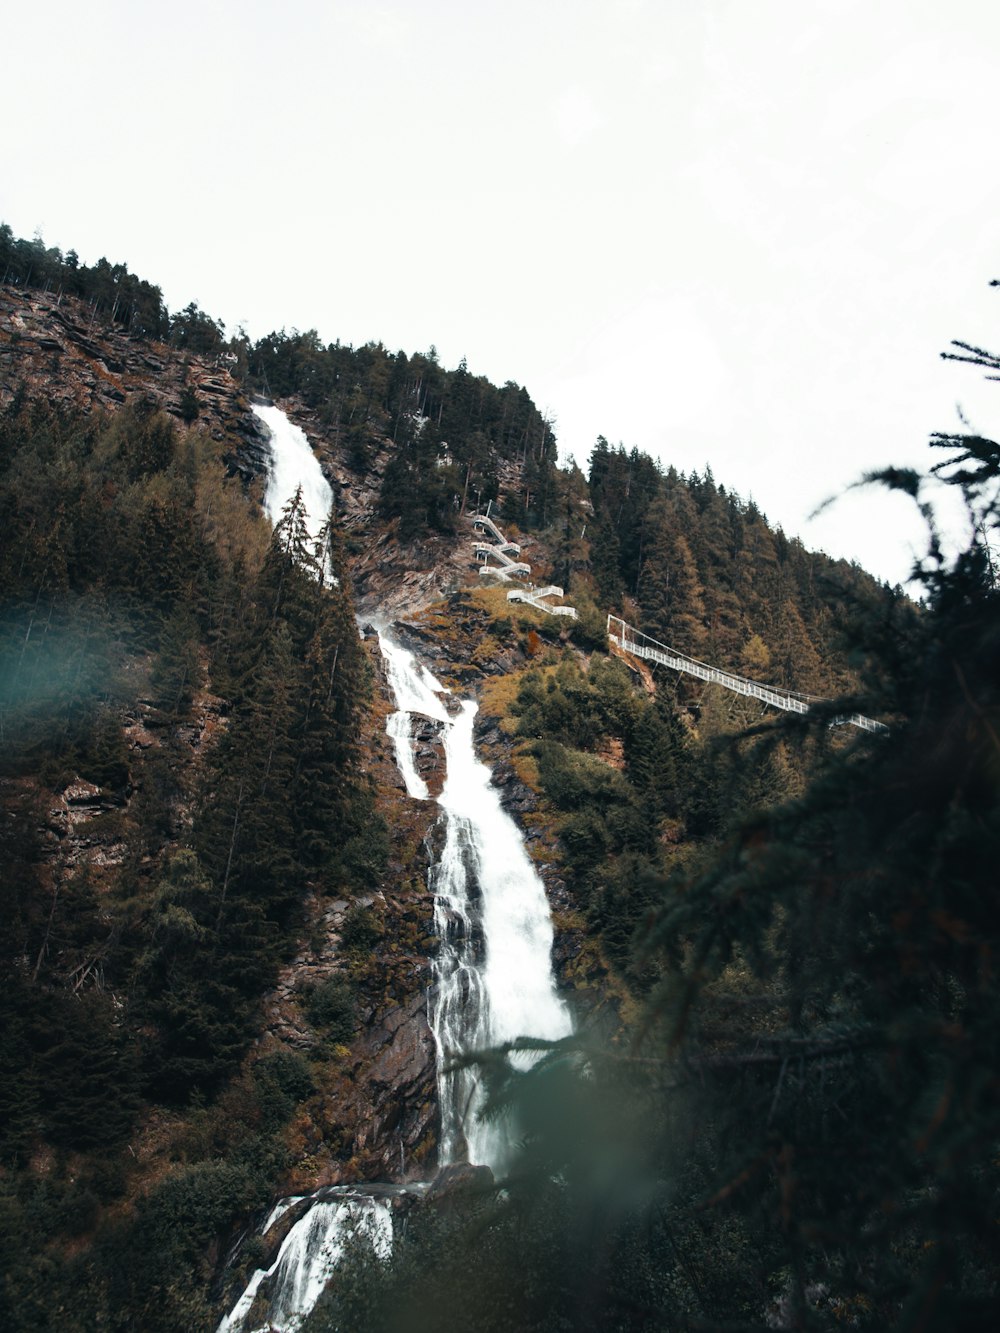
(731, 232)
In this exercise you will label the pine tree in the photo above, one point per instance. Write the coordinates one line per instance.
(177, 669)
(672, 595)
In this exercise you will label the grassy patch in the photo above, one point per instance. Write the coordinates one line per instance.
(497, 696)
(494, 602)
(525, 765)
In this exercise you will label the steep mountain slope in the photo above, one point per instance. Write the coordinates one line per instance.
(187, 875)
(217, 917)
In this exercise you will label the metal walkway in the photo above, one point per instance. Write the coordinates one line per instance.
(533, 597)
(632, 641)
(501, 550)
(506, 567)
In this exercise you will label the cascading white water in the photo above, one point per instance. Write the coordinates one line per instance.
(314, 1245)
(294, 466)
(307, 1258)
(493, 977)
(416, 692)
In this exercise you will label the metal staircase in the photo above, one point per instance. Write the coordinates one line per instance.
(533, 597)
(502, 551)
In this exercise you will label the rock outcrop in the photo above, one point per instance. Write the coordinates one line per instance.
(53, 349)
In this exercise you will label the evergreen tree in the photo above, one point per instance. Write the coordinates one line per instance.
(672, 595)
(177, 669)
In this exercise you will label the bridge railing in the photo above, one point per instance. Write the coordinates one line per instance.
(533, 597)
(484, 522)
(505, 571)
(633, 641)
(506, 568)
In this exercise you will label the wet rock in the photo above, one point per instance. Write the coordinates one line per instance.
(388, 1111)
(460, 1178)
(405, 1047)
(251, 459)
(428, 752)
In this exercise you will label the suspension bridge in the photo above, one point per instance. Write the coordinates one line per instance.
(636, 644)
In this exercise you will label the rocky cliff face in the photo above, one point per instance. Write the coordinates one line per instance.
(53, 349)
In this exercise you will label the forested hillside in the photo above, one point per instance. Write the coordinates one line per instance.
(453, 434)
(113, 294)
(713, 578)
(794, 1123)
(778, 939)
(148, 613)
(187, 716)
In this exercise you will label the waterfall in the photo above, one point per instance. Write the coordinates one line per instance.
(294, 466)
(307, 1258)
(416, 691)
(492, 977)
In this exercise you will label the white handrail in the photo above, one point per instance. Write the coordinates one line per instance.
(508, 567)
(633, 641)
(533, 597)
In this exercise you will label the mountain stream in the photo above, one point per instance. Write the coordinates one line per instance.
(492, 978)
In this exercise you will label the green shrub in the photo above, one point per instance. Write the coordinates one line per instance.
(281, 1081)
(361, 930)
(331, 1008)
(287, 1070)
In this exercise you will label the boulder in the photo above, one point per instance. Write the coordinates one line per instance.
(460, 1178)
